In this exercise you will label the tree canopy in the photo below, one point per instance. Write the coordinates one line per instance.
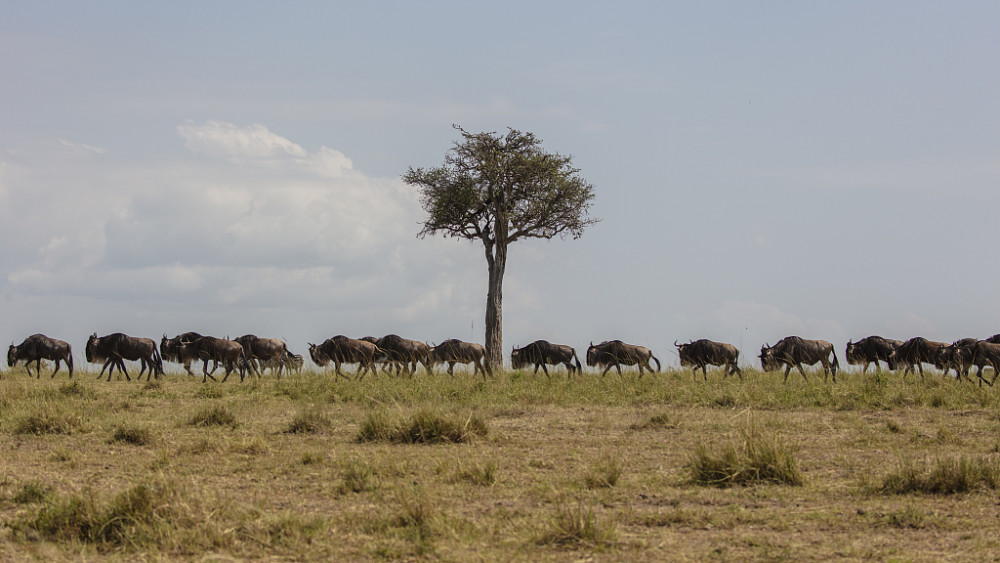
(499, 189)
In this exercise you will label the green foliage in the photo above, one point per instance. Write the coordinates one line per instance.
(32, 492)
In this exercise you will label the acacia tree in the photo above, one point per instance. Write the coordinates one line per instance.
(499, 189)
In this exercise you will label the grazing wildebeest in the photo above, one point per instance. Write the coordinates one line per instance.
(870, 350)
(985, 353)
(702, 353)
(343, 350)
(263, 349)
(795, 351)
(170, 350)
(455, 351)
(615, 353)
(229, 353)
(916, 352)
(541, 352)
(957, 356)
(116, 347)
(38, 347)
(405, 353)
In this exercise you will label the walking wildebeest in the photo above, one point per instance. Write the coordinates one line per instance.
(702, 353)
(615, 353)
(405, 353)
(229, 353)
(870, 350)
(261, 350)
(343, 350)
(290, 362)
(795, 351)
(455, 351)
(116, 347)
(38, 347)
(170, 350)
(916, 352)
(541, 352)
(986, 353)
(957, 356)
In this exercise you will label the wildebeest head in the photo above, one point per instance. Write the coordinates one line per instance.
(592, 354)
(767, 359)
(318, 356)
(683, 355)
(89, 349)
(11, 355)
(517, 359)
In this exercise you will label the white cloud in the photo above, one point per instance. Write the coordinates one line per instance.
(257, 223)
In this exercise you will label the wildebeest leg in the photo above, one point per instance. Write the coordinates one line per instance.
(57, 369)
(38, 369)
(788, 368)
(451, 368)
(920, 366)
(545, 370)
(803, 372)
(207, 375)
(735, 368)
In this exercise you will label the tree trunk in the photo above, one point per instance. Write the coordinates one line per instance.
(494, 308)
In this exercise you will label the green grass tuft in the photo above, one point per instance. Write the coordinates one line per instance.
(756, 458)
(213, 416)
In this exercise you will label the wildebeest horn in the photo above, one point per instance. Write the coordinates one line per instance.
(676, 344)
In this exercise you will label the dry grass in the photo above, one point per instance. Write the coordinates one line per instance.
(520, 468)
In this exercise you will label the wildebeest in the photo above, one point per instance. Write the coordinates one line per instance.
(702, 353)
(343, 350)
(116, 347)
(259, 349)
(541, 352)
(615, 353)
(455, 351)
(916, 352)
(795, 351)
(985, 353)
(957, 356)
(170, 350)
(229, 353)
(871, 350)
(290, 362)
(405, 353)
(38, 347)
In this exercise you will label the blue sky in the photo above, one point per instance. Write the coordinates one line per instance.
(761, 170)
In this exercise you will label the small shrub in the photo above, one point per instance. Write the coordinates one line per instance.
(656, 421)
(482, 474)
(213, 416)
(577, 526)
(943, 477)
(132, 435)
(424, 427)
(31, 493)
(310, 421)
(47, 420)
(358, 477)
(756, 459)
(253, 446)
(209, 392)
(605, 473)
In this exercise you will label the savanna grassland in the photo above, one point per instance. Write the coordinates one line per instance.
(516, 468)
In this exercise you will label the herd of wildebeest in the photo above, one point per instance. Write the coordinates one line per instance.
(252, 355)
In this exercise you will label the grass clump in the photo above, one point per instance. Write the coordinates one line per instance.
(32, 492)
(755, 458)
(577, 526)
(358, 477)
(47, 420)
(481, 474)
(423, 427)
(213, 416)
(604, 473)
(309, 421)
(657, 421)
(132, 435)
(945, 476)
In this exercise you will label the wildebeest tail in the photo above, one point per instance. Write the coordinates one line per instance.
(579, 367)
(836, 364)
(655, 359)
